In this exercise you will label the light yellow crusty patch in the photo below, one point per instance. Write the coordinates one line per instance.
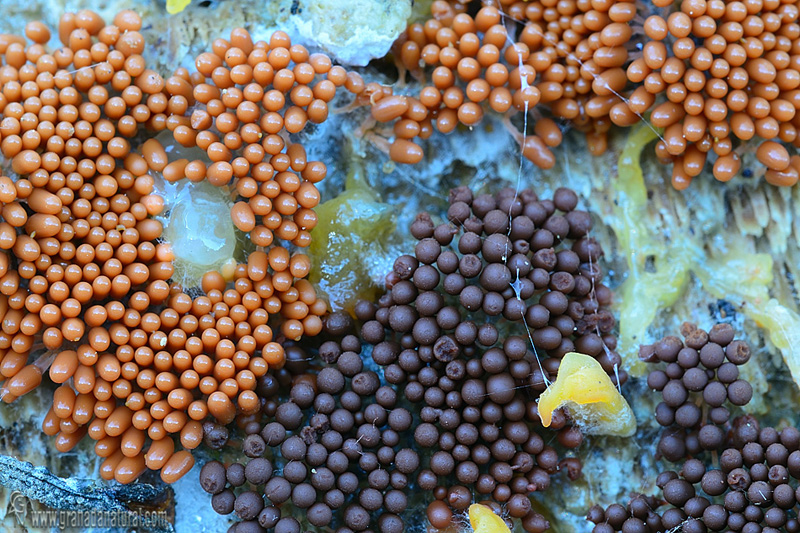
(738, 275)
(593, 401)
(483, 520)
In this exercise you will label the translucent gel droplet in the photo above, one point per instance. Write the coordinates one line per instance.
(200, 229)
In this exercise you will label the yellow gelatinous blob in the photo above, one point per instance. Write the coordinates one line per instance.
(483, 520)
(593, 401)
(176, 6)
(349, 235)
(783, 325)
(644, 292)
(727, 267)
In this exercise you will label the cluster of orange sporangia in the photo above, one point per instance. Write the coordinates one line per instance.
(247, 98)
(718, 76)
(172, 369)
(729, 75)
(86, 294)
(564, 56)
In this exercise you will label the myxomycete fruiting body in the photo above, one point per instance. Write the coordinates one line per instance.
(355, 267)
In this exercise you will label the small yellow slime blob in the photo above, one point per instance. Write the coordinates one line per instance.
(348, 239)
(176, 6)
(483, 520)
(593, 401)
